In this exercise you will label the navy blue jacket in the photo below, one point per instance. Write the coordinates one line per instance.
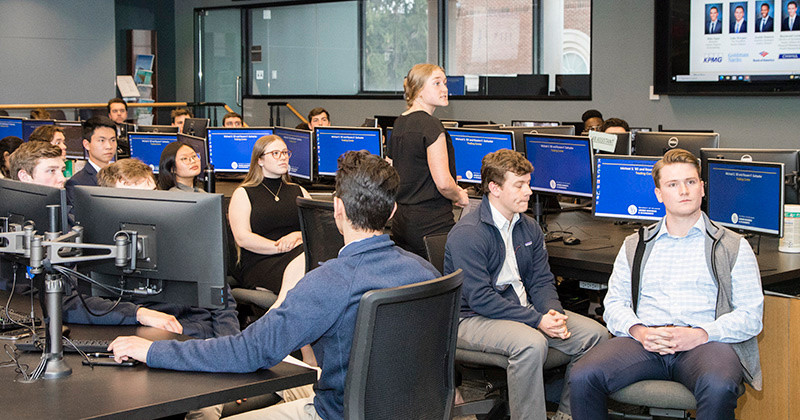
(475, 246)
(86, 176)
(321, 310)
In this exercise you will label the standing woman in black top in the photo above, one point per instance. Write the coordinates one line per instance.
(264, 220)
(422, 152)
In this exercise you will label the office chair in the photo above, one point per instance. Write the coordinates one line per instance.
(251, 304)
(321, 238)
(401, 363)
(662, 398)
(490, 367)
(3, 113)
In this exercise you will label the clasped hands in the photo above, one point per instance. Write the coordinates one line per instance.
(554, 324)
(669, 339)
(288, 242)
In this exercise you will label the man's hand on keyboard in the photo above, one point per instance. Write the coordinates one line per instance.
(130, 347)
(159, 320)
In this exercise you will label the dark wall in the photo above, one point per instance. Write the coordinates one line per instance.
(149, 15)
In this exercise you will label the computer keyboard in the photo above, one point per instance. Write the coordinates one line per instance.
(86, 346)
(7, 322)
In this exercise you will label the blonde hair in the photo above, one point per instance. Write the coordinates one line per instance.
(129, 171)
(255, 175)
(415, 81)
(674, 156)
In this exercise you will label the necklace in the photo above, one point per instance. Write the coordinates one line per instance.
(274, 194)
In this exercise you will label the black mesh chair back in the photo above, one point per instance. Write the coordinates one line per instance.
(321, 238)
(434, 248)
(402, 359)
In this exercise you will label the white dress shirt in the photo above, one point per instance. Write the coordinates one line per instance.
(509, 274)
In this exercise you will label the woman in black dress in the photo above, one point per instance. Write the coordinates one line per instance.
(264, 220)
(422, 152)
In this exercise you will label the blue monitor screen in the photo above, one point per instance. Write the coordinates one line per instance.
(147, 147)
(332, 142)
(471, 145)
(230, 149)
(561, 164)
(456, 85)
(299, 143)
(746, 195)
(624, 188)
(29, 125)
(10, 126)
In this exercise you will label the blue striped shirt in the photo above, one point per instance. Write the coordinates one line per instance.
(677, 289)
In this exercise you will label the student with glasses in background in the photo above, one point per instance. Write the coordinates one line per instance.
(179, 168)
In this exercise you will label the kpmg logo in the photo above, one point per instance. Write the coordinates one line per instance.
(763, 53)
(712, 58)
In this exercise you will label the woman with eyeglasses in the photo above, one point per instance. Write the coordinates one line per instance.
(264, 221)
(179, 168)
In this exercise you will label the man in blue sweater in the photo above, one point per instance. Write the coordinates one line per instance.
(509, 303)
(321, 310)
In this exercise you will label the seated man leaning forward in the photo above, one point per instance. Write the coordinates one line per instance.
(690, 311)
(509, 303)
(321, 310)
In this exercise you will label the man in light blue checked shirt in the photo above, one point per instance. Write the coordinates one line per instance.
(676, 315)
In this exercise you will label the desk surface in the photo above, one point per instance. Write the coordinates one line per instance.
(110, 392)
(593, 259)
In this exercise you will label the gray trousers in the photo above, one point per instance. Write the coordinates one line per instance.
(302, 409)
(526, 349)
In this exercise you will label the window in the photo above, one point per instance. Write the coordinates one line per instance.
(397, 35)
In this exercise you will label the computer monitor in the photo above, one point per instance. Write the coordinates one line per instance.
(462, 123)
(230, 149)
(385, 121)
(470, 145)
(195, 127)
(486, 126)
(29, 125)
(656, 143)
(450, 124)
(73, 138)
(22, 201)
(456, 85)
(789, 157)
(10, 126)
(746, 195)
(530, 123)
(169, 129)
(388, 134)
(332, 142)
(301, 164)
(563, 130)
(624, 188)
(633, 132)
(200, 146)
(561, 164)
(181, 246)
(147, 147)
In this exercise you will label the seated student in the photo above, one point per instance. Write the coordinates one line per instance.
(39, 114)
(38, 162)
(592, 120)
(189, 320)
(509, 303)
(302, 126)
(318, 117)
(179, 116)
(690, 314)
(179, 168)
(321, 309)
(7, 146)
(51, 134)
(232, 119)
(100, 140)
(264, 221)
(615, 126)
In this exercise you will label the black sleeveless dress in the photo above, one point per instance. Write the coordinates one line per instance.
(272, 220)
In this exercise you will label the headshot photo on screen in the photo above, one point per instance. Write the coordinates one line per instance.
(738, 17)
(765, 21)
(790, 21)
(713, 18)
